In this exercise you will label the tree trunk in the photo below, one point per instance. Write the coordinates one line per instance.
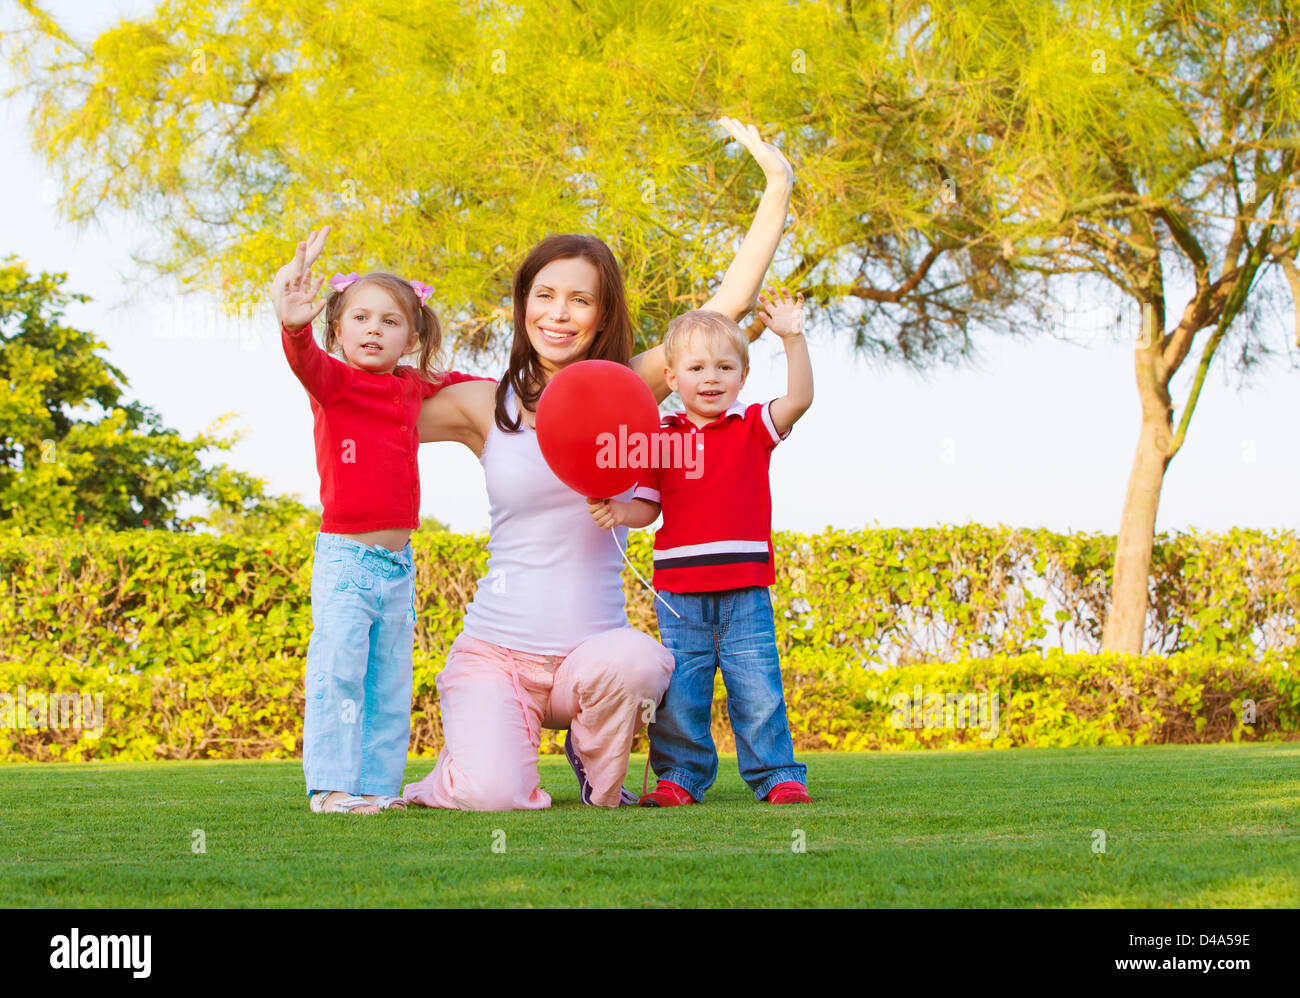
(1126, 625)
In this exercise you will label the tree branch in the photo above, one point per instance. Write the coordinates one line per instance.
(1187, 242)
(1207, 355)
(900, 292)
(1282, 254)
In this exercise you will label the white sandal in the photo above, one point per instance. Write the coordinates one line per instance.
(389, 803)
(344, 805)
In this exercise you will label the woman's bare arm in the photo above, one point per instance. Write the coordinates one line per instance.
(744, 278)
(460, 412)
(740, 286)
(649, 367)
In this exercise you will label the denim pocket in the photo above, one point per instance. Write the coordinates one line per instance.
(357, 577)
(677, 625)
(750, 611)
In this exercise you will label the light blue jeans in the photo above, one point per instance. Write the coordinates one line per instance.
(357, 724)
(731, 630)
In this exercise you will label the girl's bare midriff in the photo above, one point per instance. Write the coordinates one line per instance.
(392, 540)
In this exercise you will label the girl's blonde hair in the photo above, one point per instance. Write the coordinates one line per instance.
(714, 325)
(421, 317)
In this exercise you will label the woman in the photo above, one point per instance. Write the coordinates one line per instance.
(545, 641)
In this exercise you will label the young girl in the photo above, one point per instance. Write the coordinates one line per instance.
(365, 405)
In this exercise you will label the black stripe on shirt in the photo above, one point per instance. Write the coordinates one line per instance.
(723, 558)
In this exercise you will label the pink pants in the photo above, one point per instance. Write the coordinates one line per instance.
(494, 703)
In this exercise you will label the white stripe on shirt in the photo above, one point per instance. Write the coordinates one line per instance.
(713, 547)
(771, 426)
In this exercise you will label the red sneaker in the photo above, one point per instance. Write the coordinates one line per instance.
(789, 792)
(667, 794)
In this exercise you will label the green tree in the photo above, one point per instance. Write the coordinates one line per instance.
(64, 464)
(269, 515)
(961, 164)
(441, 140)
(1133, 151)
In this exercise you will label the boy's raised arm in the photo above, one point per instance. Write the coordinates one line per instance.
(784, 316)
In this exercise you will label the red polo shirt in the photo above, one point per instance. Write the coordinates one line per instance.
(717, 530)
(366, 436)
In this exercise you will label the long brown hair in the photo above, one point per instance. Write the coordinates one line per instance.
(421, 318)
(614, 337)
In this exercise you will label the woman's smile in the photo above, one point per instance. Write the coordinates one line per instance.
(558, 335)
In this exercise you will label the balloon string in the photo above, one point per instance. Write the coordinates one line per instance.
(614, 534)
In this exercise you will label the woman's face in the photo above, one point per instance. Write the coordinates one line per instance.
(562, 312)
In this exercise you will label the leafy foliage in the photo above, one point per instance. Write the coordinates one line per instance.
(113, 464)
(952, 156)
(196, 643)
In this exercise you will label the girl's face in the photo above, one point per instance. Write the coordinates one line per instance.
(562, 312)
(374, 331)
(708, 375)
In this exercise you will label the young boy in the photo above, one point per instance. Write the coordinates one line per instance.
(713, 557)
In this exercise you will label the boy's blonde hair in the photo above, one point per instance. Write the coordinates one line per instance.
(713, 325)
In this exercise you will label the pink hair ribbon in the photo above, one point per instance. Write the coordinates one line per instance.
(341, 282)
(422, 291)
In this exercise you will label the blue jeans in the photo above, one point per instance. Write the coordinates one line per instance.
(357, 725)
(731, 630)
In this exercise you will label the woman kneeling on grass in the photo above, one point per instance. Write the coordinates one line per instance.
(546, 640)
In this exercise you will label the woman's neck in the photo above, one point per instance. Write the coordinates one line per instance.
(528, 416)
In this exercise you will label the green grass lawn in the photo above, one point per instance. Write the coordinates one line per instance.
(1195, 826)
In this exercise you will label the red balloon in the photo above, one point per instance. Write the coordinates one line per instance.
(588, 421)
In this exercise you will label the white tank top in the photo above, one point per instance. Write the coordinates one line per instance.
(554, 577)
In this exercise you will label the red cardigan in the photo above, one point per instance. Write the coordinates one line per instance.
(366, 436)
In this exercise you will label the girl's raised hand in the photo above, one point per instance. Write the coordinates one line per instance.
(783, 315)
(775, 166)
(298, 306)
(304, 256)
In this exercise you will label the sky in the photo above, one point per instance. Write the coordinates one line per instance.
(1038, 432)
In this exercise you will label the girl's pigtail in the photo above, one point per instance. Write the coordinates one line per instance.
(430, 330)
(333, 306)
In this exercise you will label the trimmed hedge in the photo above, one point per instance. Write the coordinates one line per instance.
(185, 711)
(1050, 700)
(196, 643)
(141, 599)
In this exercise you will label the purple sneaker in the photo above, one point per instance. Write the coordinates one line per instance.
(625, 799)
